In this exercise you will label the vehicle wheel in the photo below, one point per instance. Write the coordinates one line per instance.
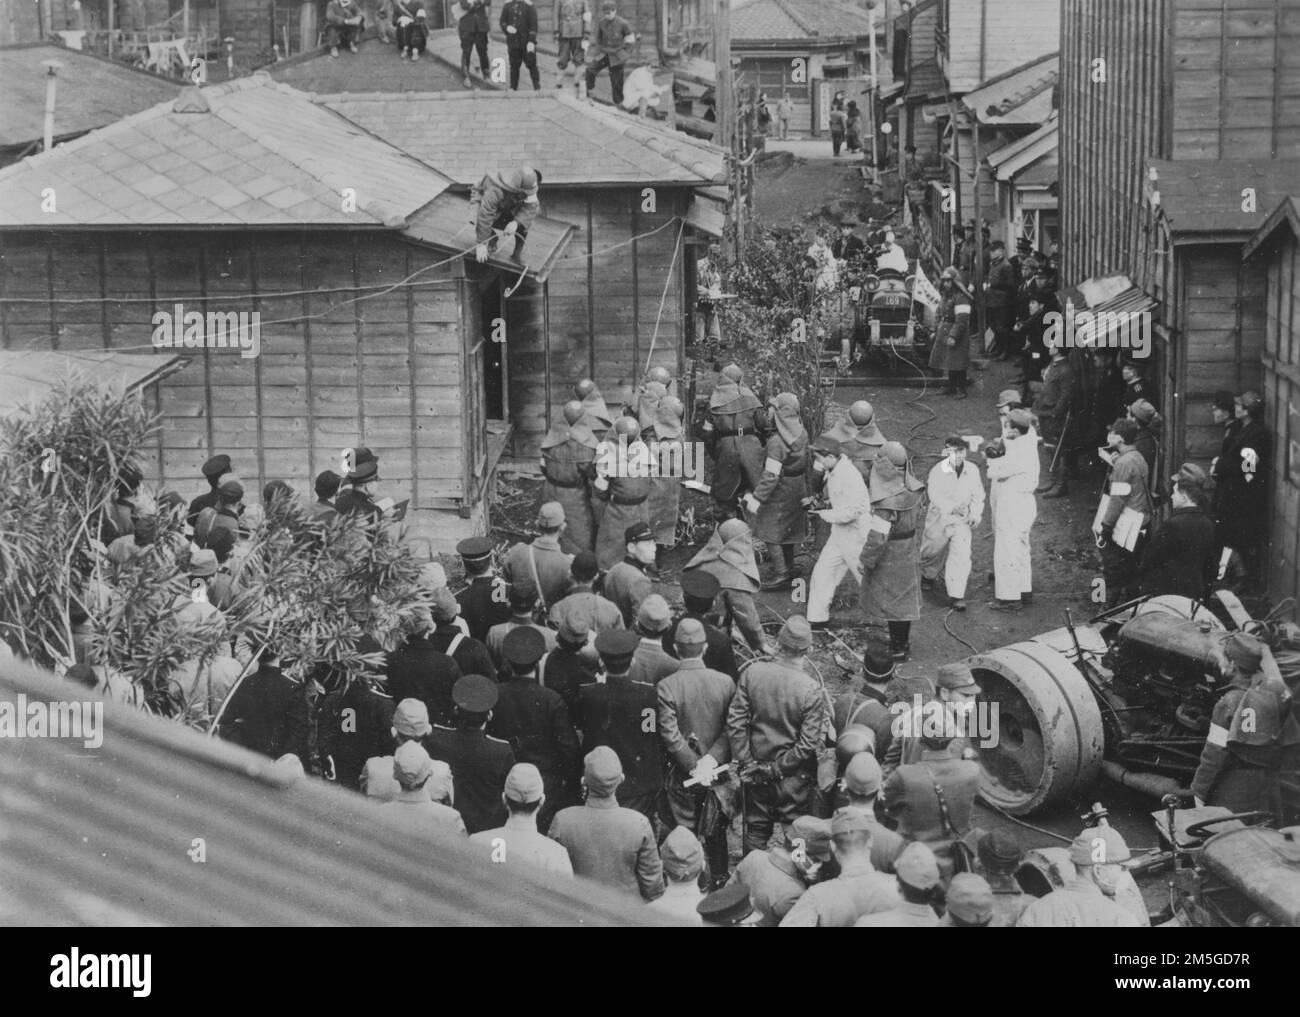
(1050, 739)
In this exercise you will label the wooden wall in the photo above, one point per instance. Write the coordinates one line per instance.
(988, 37)
(1281, 393)
(1236, 79)
(604, 298)
(385, 371)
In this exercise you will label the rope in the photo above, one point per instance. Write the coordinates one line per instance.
(663, 299)
(954, 634)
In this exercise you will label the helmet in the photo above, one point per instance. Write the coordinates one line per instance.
(949, 274)
(573, 411)
(584, 388)
(732, 528)
(861, 412)
(854, 739)
(628, 427)
(733, 373)
(660, 374)
(895, 453)
(523, 178)
(786, 401)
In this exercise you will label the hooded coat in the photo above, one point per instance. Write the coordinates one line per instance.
(737, 453)
(625, 502)
(781, 517)
(952, 325)
(496, 204)
(730, 559)
(568, 465)
(891, 568)
(665, 428)
(860, 443)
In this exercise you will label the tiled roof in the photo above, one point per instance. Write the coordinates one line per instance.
(465, 134)
(91, 92)
(444, 222)
(765, 20)
(1202, 197)
(1022, 95)
(374, 68)
(250, 153)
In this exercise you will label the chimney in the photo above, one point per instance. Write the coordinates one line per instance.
(51, 79)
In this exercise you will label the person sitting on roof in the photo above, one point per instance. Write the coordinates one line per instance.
(505, 203)
(412, 28)
(344, 24)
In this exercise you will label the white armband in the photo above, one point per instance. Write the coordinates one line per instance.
(601, 484)
(772, 466)
(708, 425)
(1120, 488)
(961, 309)
(1217, 736)
(879, 524)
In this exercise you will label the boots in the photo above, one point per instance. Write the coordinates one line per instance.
(783, 571)
(1057, 491)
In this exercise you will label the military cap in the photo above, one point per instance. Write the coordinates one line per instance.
(216, 466)
(970, 898)
(573, 630)
(203, 563)
(365, 466)
(411, 763)
(474, 548)
(524, 784)
(230, 487)
(700, 585)
(584, 567)
(1021, 420)
(854, 739)
(957, 678)
(1190, 475)
(411, 719)
(1245, 651)
(474, 693)
(653, 616)
(828, 446)
(863, 775)
(616, 645)
(1099, 845)
(690, 632)
(445, 606)
(795, 634)
(728, 906)
(1143, 411)
(916, 866)
(523, 646)
(877, 664)
(1007, 397)
(602, 771)
(813, 834)
(682, 855)
(638, 532)
(851, 821)
(999, 851)
(550, 515)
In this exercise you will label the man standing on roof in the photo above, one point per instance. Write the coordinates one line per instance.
(473, 27)
(613, 36)
(505, 202)
(519, 22)
(572, 26)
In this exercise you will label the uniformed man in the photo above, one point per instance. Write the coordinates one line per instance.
(594, 411)
(627, 584)
(534, 721)
(470, 655)
(1000, 289)
(607, 842)
(1246, 474)
(416, 670)
(858, 437)
(951, 349)
(955, 690)
(353, 721)
(1097, 856)
(583, 605)
(956, 508)
(622, 714)
(693, 704)
(668, 433)
(1013, 475)
(1058, 422)
(869, 706)
(997, 859)
(858, 890)
(891, 557)
(683, 858)
(622, 486)
(729, 555)
(778, 877)
(423, 819)
(1148, 439)
(969, 903)
(1127, 498)
(523, 602)
(726, 908)
(213, 470)
(731, 438)
(485, 602)
(1136, 386)
(651, 661)
(357, 496)
(862, 782)
(542, 561)
(775, 724)
(1237, 764)
(917, 880)
(776, 503)
(699, 590)
(327, 488)
(932, 800)
(568, 467)
(410, 724)
(518, 844)
(478, 761)
(573, 663)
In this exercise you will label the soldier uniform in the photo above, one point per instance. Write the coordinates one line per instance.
(1057, 418)
(651, 661)
(932, 800)
(568, 467)
(858, 890)
(485, 602)
(891, 562)
(777, 500)
(858, 437)
(699, 588)
(470, 655)
(353, 722)
(951, 349)
(626, 585)
(542, 562)
(478, 761)
(998, 856)
(622, 484)
(918, 870)
(583, 605)
(572, 663)
(774, 880)
(1126, 488)
(416, 670)
(732, 439)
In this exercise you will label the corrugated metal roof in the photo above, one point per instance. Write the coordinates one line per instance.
(1015, 155)
(250, 153)
(103, 836)
(91, 92)
(26, 376)
(1022, 95)
(1108, 293)
(1208, 198)
(465, 134)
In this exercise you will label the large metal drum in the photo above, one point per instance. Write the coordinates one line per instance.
(1049, 733)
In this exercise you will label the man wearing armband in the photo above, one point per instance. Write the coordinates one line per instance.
(1124, 512)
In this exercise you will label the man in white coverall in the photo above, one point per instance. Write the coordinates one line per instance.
(850, 518)
(956, 508)
(1015, 475)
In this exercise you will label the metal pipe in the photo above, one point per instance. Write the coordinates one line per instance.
(51, 82)
(1148, 783)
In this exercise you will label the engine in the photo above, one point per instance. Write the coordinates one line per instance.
(1168, 672)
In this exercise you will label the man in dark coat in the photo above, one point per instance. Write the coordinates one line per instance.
(1126, 489)
(1000, 289)
(486, 601)
(535, 723)
(268, 712)
(1136, 386)
(1027, 342)
(951, 349)
(891, 559)
(699, 590)
(609, 42)
(353, 721)
(519, 23)
(572, 663)
(730, 436)
(479, 762)
(583, 604)
(622, 486)
(933, 800)
(627, 583)
(572, 24)
(568, 466)
(473, 27)
(447, 637)
(614, 713)
(214, 469)
(1179, 558)
(505, 206)
(1107, 399)
(417, 670)
(777, 500)
(1148, 440)
(1244, 467)
(1055, 409)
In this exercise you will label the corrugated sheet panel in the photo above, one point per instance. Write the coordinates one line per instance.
(27, 375)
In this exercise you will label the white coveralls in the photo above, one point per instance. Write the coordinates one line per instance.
(956, 508)
(850, 519)
(1014, 477)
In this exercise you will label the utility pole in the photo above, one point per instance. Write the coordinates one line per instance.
(977, 268)
(725, 113)
(875, 92)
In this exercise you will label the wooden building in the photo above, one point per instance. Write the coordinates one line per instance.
(248, 198)
(621, 298)
(1276, 245)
